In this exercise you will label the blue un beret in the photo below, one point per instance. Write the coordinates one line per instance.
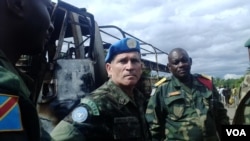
(122, 46)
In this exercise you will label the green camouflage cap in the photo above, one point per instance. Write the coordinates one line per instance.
(247, 44)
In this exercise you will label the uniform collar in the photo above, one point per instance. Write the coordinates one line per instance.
(196, 85)
(178, 84)
(119, 95)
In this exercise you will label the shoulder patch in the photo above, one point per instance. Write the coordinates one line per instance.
(10, 115)
(79, 114)
(92, 106)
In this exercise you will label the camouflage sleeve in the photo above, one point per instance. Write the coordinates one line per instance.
(154, 114)
(65, 131)
(80, 124)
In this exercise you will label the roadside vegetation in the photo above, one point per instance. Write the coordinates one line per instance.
(228, 82)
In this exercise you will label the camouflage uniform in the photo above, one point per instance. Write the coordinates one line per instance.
(111, 115)
(176, 112)
(18, 116)
(242, 113)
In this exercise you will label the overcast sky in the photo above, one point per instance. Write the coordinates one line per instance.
(212, 31)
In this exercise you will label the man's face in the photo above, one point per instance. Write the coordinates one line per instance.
(125, 69)
(37, 25)
(179, 64)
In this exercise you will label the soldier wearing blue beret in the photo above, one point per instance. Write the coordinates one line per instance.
(115, 110)
(124, 45)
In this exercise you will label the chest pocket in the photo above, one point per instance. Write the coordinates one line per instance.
(126, 128)
(175, 106)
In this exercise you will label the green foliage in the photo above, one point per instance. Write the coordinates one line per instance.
(228, 82)
(217, 81)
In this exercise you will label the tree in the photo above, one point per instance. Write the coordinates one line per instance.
(228, 82)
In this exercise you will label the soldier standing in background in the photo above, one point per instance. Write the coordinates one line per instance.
(242, 113)
(222, 97)
(234, 98)
(227, 93)
(187, 106)
(24, 27)
(114, 111)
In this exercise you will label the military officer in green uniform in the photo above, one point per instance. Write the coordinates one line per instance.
(24, 27)
(186, 106)
(242, 113)
(115, 110)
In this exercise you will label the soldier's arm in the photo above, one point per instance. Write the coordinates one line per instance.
(66, 131)
(153, 116)
(78, 123)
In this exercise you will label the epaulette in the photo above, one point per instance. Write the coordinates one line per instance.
(206, 76)
(158, 83)
(206, 80)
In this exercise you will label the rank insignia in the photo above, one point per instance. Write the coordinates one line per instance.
(174, 93)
